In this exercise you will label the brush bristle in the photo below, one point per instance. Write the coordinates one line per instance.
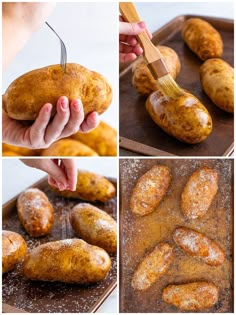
(169, 87)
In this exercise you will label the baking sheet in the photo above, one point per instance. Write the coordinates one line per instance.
(137, 125)
(20, 294)
(140, 234)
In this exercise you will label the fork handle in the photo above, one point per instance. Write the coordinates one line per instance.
(130, 14)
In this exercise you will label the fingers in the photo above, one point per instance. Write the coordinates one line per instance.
(37, 130)
(59, 122)
(131, 28)
(90, 123)
(76, 118)
(69, 167)
(127, 57)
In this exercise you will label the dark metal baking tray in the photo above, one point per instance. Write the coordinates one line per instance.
(139, 234)
(136, 124)
(22, 295)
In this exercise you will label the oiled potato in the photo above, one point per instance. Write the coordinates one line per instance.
(195, 296)
(153, 266)
(102, 139)
(95, 226)
(35, 212)
(184, 118)
(14, 249)
(12, 150)
(26, 95)
(217, 79)
(198, 245)
(199, 192)
(68, 147)
(70, 260)
(150, 190)
(202, 38)
(90, 187)
(143, 80)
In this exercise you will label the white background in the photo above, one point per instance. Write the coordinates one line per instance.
(89, 31)
(90, 34)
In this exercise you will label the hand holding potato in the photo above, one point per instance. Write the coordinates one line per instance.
(68, 120)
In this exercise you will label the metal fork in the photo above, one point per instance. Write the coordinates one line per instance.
(63, 50)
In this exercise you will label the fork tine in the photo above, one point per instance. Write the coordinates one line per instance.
(63, 59)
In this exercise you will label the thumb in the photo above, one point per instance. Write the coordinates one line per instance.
(131, 28)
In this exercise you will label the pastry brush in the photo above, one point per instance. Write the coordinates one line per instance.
(152, 55)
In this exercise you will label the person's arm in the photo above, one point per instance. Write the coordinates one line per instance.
(61, 173)
(19, 21)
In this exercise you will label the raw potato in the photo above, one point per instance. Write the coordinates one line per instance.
(35, 212)
(184, 118)
(150, 190)
(102, 139)
(70, 260)
(95, 226)
(195, 296)
(198, 245)
(14, 249)
(199, 192)
(217, 79)
(90, 187)
(202, 38)
(12, 150)
(143, 80)
(68, 147)
(153, 266)
(27, 94)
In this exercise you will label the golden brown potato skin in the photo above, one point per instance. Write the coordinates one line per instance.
(150, 190)
(27, 94)
(12, 150)
(102, 139)
(217, 79)
(68, 147)
(202, 38)
(143, 80)
(14, 249)
(199, 192)
(184, 118)
(153, 265)
(198, 245)
(90, 187)
(195, 296)
(95, 226)
(35, 212)
(69, 260)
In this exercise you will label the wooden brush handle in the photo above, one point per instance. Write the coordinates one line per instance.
(150, 51)
(129, 14)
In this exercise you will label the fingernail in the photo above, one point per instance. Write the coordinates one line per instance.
(142, 25)
(61, 186)
(77, 106)
(48, 108)
(64, 104)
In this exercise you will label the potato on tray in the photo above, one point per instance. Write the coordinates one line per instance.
(69, 260)
(202, 38)
(194, 296)
(217, 79)
(14, 249)
(143, 80)
(150, 190)
(184, 118)
(90, 187)
(35, 212)
(95, 226)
